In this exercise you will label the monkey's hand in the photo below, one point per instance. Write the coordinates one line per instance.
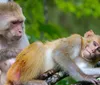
(92, 78)
(6, 54)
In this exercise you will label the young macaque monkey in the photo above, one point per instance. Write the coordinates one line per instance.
(75, 54)
(12, 35)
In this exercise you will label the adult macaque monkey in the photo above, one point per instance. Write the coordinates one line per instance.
(75, 54)
(12, 35)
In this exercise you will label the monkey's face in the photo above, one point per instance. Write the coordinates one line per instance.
(92, 51)
(15, 31)
(12, 21)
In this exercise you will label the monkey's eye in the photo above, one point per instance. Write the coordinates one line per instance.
(98, 49)
(95, 43)
(17, 22)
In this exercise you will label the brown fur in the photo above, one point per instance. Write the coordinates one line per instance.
(10, 6)
(12, 9)
(31, 54)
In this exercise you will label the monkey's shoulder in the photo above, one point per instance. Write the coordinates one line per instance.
(71, 40)
(38, 43)
(75, 36)
(74, 39)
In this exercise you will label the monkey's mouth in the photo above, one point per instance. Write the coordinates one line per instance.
(10, 41)
(88, 51)
(88, 54)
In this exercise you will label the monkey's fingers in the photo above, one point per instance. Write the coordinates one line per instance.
(95, 82)
(88, 82)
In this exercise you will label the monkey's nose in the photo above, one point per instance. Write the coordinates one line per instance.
(20, 32)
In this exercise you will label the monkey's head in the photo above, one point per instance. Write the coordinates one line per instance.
(91, 51)
(11, 21)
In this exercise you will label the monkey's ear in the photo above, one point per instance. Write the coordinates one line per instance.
(90, 33)
(5, 1)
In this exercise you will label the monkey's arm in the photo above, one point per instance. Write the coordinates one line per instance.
(72, 69)
(65, 51)
(6, 54)
(92, 71)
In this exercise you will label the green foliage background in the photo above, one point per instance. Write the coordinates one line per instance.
(64, 18)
